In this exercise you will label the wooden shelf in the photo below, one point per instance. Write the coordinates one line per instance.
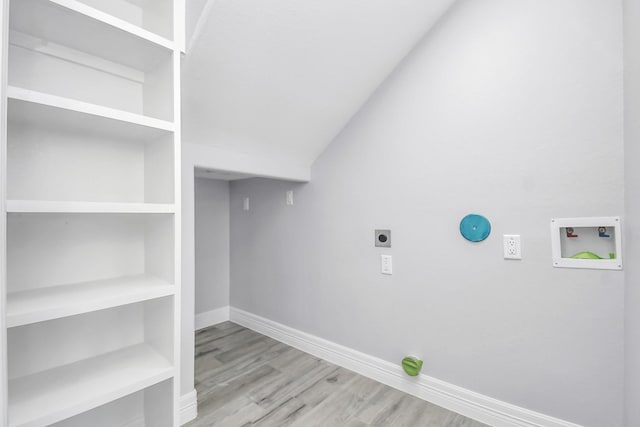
(43, 110)
(37, 305)
(45, 206)
(56, 394)
(78, 26)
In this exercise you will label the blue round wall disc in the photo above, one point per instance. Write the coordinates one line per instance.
(475, 228)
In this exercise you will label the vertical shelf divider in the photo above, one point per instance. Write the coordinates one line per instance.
(179, 41)
(4, 43)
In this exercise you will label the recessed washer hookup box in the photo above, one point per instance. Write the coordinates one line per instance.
(590, 242)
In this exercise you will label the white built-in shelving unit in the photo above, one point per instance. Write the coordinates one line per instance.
(90, 202)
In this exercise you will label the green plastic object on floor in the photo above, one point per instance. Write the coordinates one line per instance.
(591, 255)
(411, 365)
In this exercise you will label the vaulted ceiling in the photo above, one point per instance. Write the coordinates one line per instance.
(279, 79)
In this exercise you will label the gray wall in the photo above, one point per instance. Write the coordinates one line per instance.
(509, 109)
(632, 204)
(204, 157)
(212, 244)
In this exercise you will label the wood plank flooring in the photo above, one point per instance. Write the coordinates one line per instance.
(246, 379)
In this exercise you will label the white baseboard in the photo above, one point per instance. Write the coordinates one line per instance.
(188, 407)
(465, 402)
(210, 318)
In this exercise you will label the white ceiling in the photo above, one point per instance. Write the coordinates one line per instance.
(279, 79)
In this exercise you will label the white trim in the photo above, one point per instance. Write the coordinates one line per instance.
(188, 407)
(180, 27)
(4, 37)
(177, 242)
(465, 402)
(210, 318)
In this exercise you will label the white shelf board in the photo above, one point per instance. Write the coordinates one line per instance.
(48, 397)
(116, 22)
(37, 305)
(75, 25)
(45, 206)
(43, 110)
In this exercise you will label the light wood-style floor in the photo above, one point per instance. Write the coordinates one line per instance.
(246, 379)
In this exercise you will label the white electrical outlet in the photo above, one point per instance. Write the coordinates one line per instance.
(245, 204)
(289, 197)
(386, 264)
(512, 248)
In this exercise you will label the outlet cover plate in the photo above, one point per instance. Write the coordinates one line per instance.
(512, 248)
